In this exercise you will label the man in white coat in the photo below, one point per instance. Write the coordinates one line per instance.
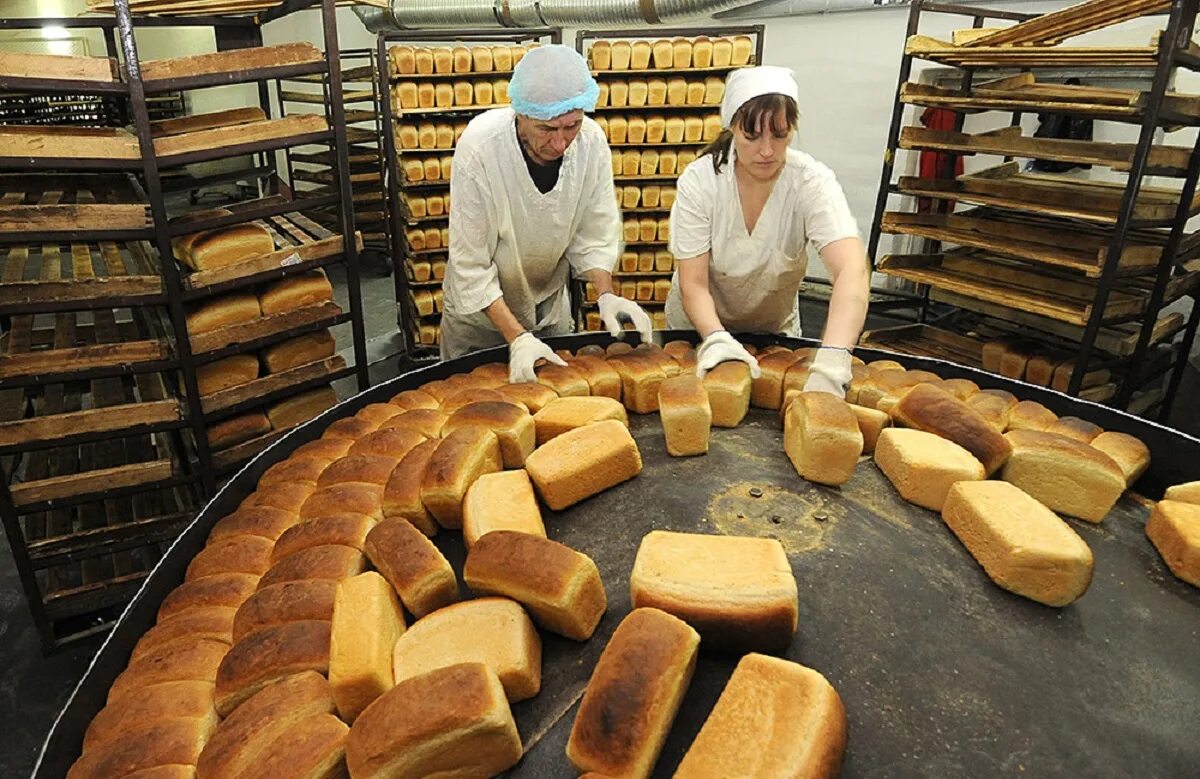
(532, 203)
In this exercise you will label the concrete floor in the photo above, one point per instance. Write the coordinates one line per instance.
(33, 688)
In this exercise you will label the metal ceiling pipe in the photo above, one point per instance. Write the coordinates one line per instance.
(432, 14)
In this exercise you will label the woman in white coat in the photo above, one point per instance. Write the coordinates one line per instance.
(744, 214)
(532, 203)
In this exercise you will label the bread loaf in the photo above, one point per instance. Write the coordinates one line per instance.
(662, 55)
(738, 593)
(501, 501)
(195, 660)
(223, 247)
(481, 57)
(667, 199)
(560, 587)
(223, 311)
(1074, 427)
(639, 92)
(743, 51)
(1184, 493)
(531, 395)
(367, 620)
(995, 406)
(427, 136)
(460, 57)
(235, 430)
(640, 380)
(269, 655)
(293, 601)
(684, 407)
(1030, 415)
(601, 55)
(728, 387)
(564, 414)
(649, 166)
(256, 724)
(618, 132)
(566, 381)
(443, 60)
(227, 590)
(443, 95)
(298, 351)
(407, 137)
(402, 493)
(305, 289)
(461, 457)
(513, 426)
(403, 60)
(696, 91)
(722, 53)
(1174, 529)
(633, 695)
(681, 54)
(821, 438)
(333, 562)
(345, 498)
(923, 466)
(351, 429)
(414, 399)
(327, 449)
(712, 128)
(364, 469)
(676, 92)
(394, 443)
(583, 462)
(149, 746)
(424, 61)
(266, 521)
(483, 93)
(289, 496)
(932, 409)
(336, 529)
(426, 95)
(656, 93)
(631, 162)
(452, 721)
(414, 567)
(622, 52)
(641, 52)
(767, 390)
(450, 636)
(214, 623)
(502, 59)
(500, 92)
(870, 423)
(240, 554)
(774, 719)
(314, 747)
(1067, 475)
(702, 51)
(223, 374)
(426, 421)
(188, 700)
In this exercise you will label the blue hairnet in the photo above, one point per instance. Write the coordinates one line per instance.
(551, 81)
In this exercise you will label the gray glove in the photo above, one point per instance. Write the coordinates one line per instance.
(829, 372)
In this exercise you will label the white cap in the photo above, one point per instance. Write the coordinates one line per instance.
(746, 84)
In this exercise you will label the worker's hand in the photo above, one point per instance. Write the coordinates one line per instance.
(523, 353)
(722, 347)
(829, 371)
(613, 307)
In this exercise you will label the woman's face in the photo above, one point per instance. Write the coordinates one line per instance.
(762, 151)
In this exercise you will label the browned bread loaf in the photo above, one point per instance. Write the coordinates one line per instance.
(316, 562)
(1067, 475)
(294, 292)
(934, 410)
(1129, 453)
(313, 747)
(633, 695)
(294, 601)
(451, 635)
(774, 719)
(269, 655)
(340, 529)
(1074, 427)
(641, 376)
(223, 247)
(512, 424)
(452, 721)
(235, 430)
(566, 381)
(222, 374)
(289, 496)
(870, 423)
(301, 408)
(415, 568)
(1030, 415)
(402, 493)
(923, 466)
(358, 468)
(239, 554)
(560, 587)
(173, 700)
(304, 469)
(1020, 543)
(195, 661)
(1174, 529)
(367, 620)
(244, 734)
(602, 379)
(426, 421)
(393, 443)
(728, 386)
(821, 438)
(683, 406)
(346, 498)
(351, 428)
(413, 399)
(215, 623)
(223, 311)
(460, 458)
(298, 351)
(501, 501)
(583, 462)
(995, 406)
(226, 590)
(767, 390)
(146, 746)
(531, 395)
(327, 449)
(563, 414)
(748, 601)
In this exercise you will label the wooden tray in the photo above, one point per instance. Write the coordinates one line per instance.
(1005, 186)
(56, 66)
(36, 278)
(928, 341)
(1009, 142)
(210, 121)
(272, 383)
(265, 327)
(935, 50)
(68, 143)
(53, 203)
(1051, 28)
(1055, 245)
(251, 132)
(985, 277)
(232, 61)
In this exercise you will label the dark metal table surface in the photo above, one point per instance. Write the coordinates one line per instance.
(943, 674)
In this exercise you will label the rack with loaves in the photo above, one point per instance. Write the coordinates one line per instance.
(435, 83)
(1059, 271)
(151, 347)
(659, 106)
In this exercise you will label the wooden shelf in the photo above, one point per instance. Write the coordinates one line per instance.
(927, 341)
(232, 67)
(272, 387)
(104, 275)
(934, 50)
(249, 335)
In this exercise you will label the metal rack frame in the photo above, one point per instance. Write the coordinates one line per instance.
(1173, 52)
(405, 314)
(192, 462)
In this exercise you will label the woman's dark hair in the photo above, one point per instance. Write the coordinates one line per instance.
(759, 112)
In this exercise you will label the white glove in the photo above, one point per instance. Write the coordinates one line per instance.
(523, 353)
(613, 307)
(721, 347)
(829, 372)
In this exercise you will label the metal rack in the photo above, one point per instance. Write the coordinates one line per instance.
(419, 330)
(103, 433)
(649, 273)
(1081, 267)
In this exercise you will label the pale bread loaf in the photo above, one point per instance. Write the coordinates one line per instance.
(583, 462)
(451, 635)
(559, 586)
(1187, 493)
(933, 410)
(415, 568)
(923, 466)
(1174, 529)
(1030, 415)
(563, 414)
(822, 439)
(775, 719)
(633, 695)
(1067, 475)
(738, 593)
(686, 415)
(728, 388)
(367, 620)
(501, 501)
(1129, 453)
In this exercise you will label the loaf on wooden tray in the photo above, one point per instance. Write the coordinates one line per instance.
(269, 655)
(223, 374)
(452, 721)
(300, 408)
(415, 568)
(686, 415)
(633, 695)
(583, 462)
(298, 351)
(244, 734)
(460, 458)
(822, 438)
(1022, 545)
(559, 586)
(223, 311)
(775, 719)
(932, 409)
(738, 593)
(367, 620)
(293, 292)
(923, 466)
(236, 430)
(223, 247)
(1174, 529)
(293, 601)
(501, 501)
(230, 61)
(451, 635)
(1067, 475)
(563, 414)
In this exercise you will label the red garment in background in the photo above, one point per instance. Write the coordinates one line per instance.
(933, 163)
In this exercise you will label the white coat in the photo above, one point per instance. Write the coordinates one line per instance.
(508, 239)
(755, 278)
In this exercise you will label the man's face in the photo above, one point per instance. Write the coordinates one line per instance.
(548, 140)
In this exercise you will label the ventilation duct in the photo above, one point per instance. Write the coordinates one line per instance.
(433, 14)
